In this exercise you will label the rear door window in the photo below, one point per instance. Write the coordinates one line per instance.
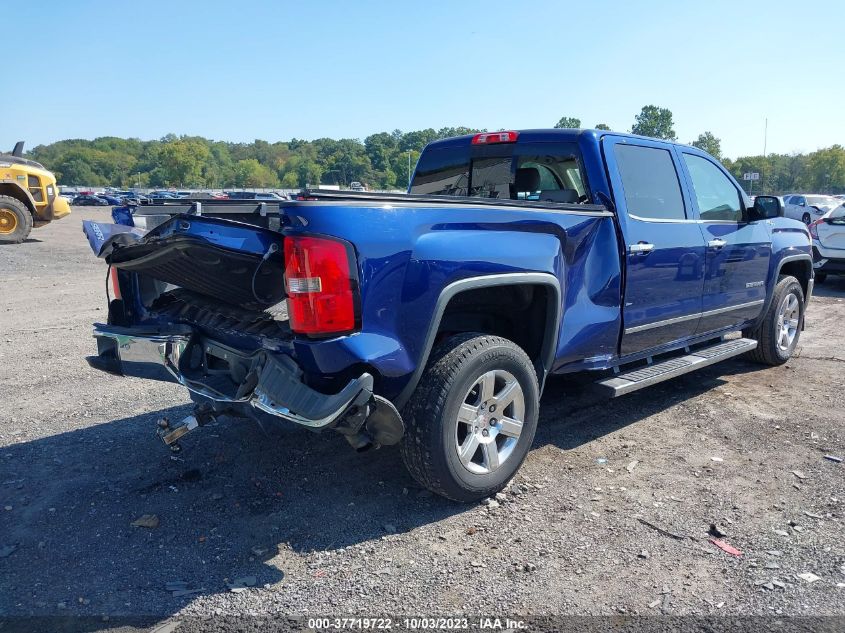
(650, 182)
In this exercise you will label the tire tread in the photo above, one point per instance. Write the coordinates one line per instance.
(764, 332)
(23, 215)
(424, 410)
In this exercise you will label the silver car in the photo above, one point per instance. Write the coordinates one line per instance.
(808, 207)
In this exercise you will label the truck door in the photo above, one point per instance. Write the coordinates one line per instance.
(664, 258)
(737, 250)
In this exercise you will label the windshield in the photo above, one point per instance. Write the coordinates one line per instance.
(826, 201)
(521, 171)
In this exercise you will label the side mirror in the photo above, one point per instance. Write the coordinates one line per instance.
(767, 207)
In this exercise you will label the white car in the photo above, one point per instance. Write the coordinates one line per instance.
(828, 233)
(808, 207)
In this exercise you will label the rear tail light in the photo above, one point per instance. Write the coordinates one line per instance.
(814, 230)
(490, 138)
(115, 283)
(322, 286)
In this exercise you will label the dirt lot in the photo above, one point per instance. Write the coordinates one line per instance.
(324, 530)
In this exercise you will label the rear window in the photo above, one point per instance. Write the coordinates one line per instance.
(519, 171)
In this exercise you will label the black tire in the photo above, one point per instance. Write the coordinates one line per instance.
(820, 277)
(806, 219)
(22, 220)
(767, 332)
(430, 444)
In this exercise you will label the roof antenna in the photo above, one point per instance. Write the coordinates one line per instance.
(18, 151)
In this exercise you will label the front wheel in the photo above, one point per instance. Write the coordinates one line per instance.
(806, 219)
(778, 332)
(15, 220)
(472, 418)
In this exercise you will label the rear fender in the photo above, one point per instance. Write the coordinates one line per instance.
(550, 336)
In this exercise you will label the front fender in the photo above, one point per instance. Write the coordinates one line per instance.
(790, 244)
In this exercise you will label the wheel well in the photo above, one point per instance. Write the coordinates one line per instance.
(518, 312)
(13, 191)
(800, 269)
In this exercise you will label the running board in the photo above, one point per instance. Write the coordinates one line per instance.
(621, 384)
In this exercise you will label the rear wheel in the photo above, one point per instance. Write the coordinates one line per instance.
(778, 332)
(15, 220)
(472, 418)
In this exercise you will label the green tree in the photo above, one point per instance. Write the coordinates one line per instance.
(76, 171)
(602, 126)
(568, 122)
(250, 173)
(709, 143)
(654, 122)
(181, 163)
(826, 169)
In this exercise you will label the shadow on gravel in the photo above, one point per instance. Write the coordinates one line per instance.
(229, 502)
(833, 286)
(29, 240)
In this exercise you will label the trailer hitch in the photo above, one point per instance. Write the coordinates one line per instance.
(202, 415)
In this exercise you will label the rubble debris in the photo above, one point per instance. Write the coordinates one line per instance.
(726, 547)
(808, 577)
(717, 530)
(678, 537)
(147, 521)
(242, 584)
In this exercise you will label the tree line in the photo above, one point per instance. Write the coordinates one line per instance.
(381, 161)
(822, 171)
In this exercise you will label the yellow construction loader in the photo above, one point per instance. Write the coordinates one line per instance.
(29, 196)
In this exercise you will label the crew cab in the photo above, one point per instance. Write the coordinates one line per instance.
(433, 319)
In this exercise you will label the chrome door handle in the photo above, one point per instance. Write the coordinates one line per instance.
(641, 248)
(717, 243)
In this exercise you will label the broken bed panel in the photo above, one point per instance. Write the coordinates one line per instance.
(240, 264)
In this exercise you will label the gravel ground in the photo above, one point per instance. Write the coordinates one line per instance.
(609, 514)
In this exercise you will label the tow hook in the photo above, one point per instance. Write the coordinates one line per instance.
(171, 435)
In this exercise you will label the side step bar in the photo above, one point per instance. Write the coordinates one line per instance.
(621, 384)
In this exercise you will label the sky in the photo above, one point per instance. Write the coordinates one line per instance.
(245, 70)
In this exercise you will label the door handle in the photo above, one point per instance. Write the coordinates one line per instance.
(717, 243)
(640, 248)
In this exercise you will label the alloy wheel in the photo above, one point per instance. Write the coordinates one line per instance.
(787, 324)
(490, 421)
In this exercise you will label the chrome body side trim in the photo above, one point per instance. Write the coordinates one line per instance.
(688, 317)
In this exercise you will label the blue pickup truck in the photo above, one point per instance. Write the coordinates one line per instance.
(433, 319)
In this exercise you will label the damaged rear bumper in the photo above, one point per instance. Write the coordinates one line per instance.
(270, 383)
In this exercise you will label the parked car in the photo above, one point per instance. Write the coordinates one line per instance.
(517, 255)
(253, 195)
(162, 195)
(808, 207)
(133, 199)
(87, 200)
(828, 234)
(110, 199)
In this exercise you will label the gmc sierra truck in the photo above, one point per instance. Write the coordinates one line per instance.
(432, 319)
